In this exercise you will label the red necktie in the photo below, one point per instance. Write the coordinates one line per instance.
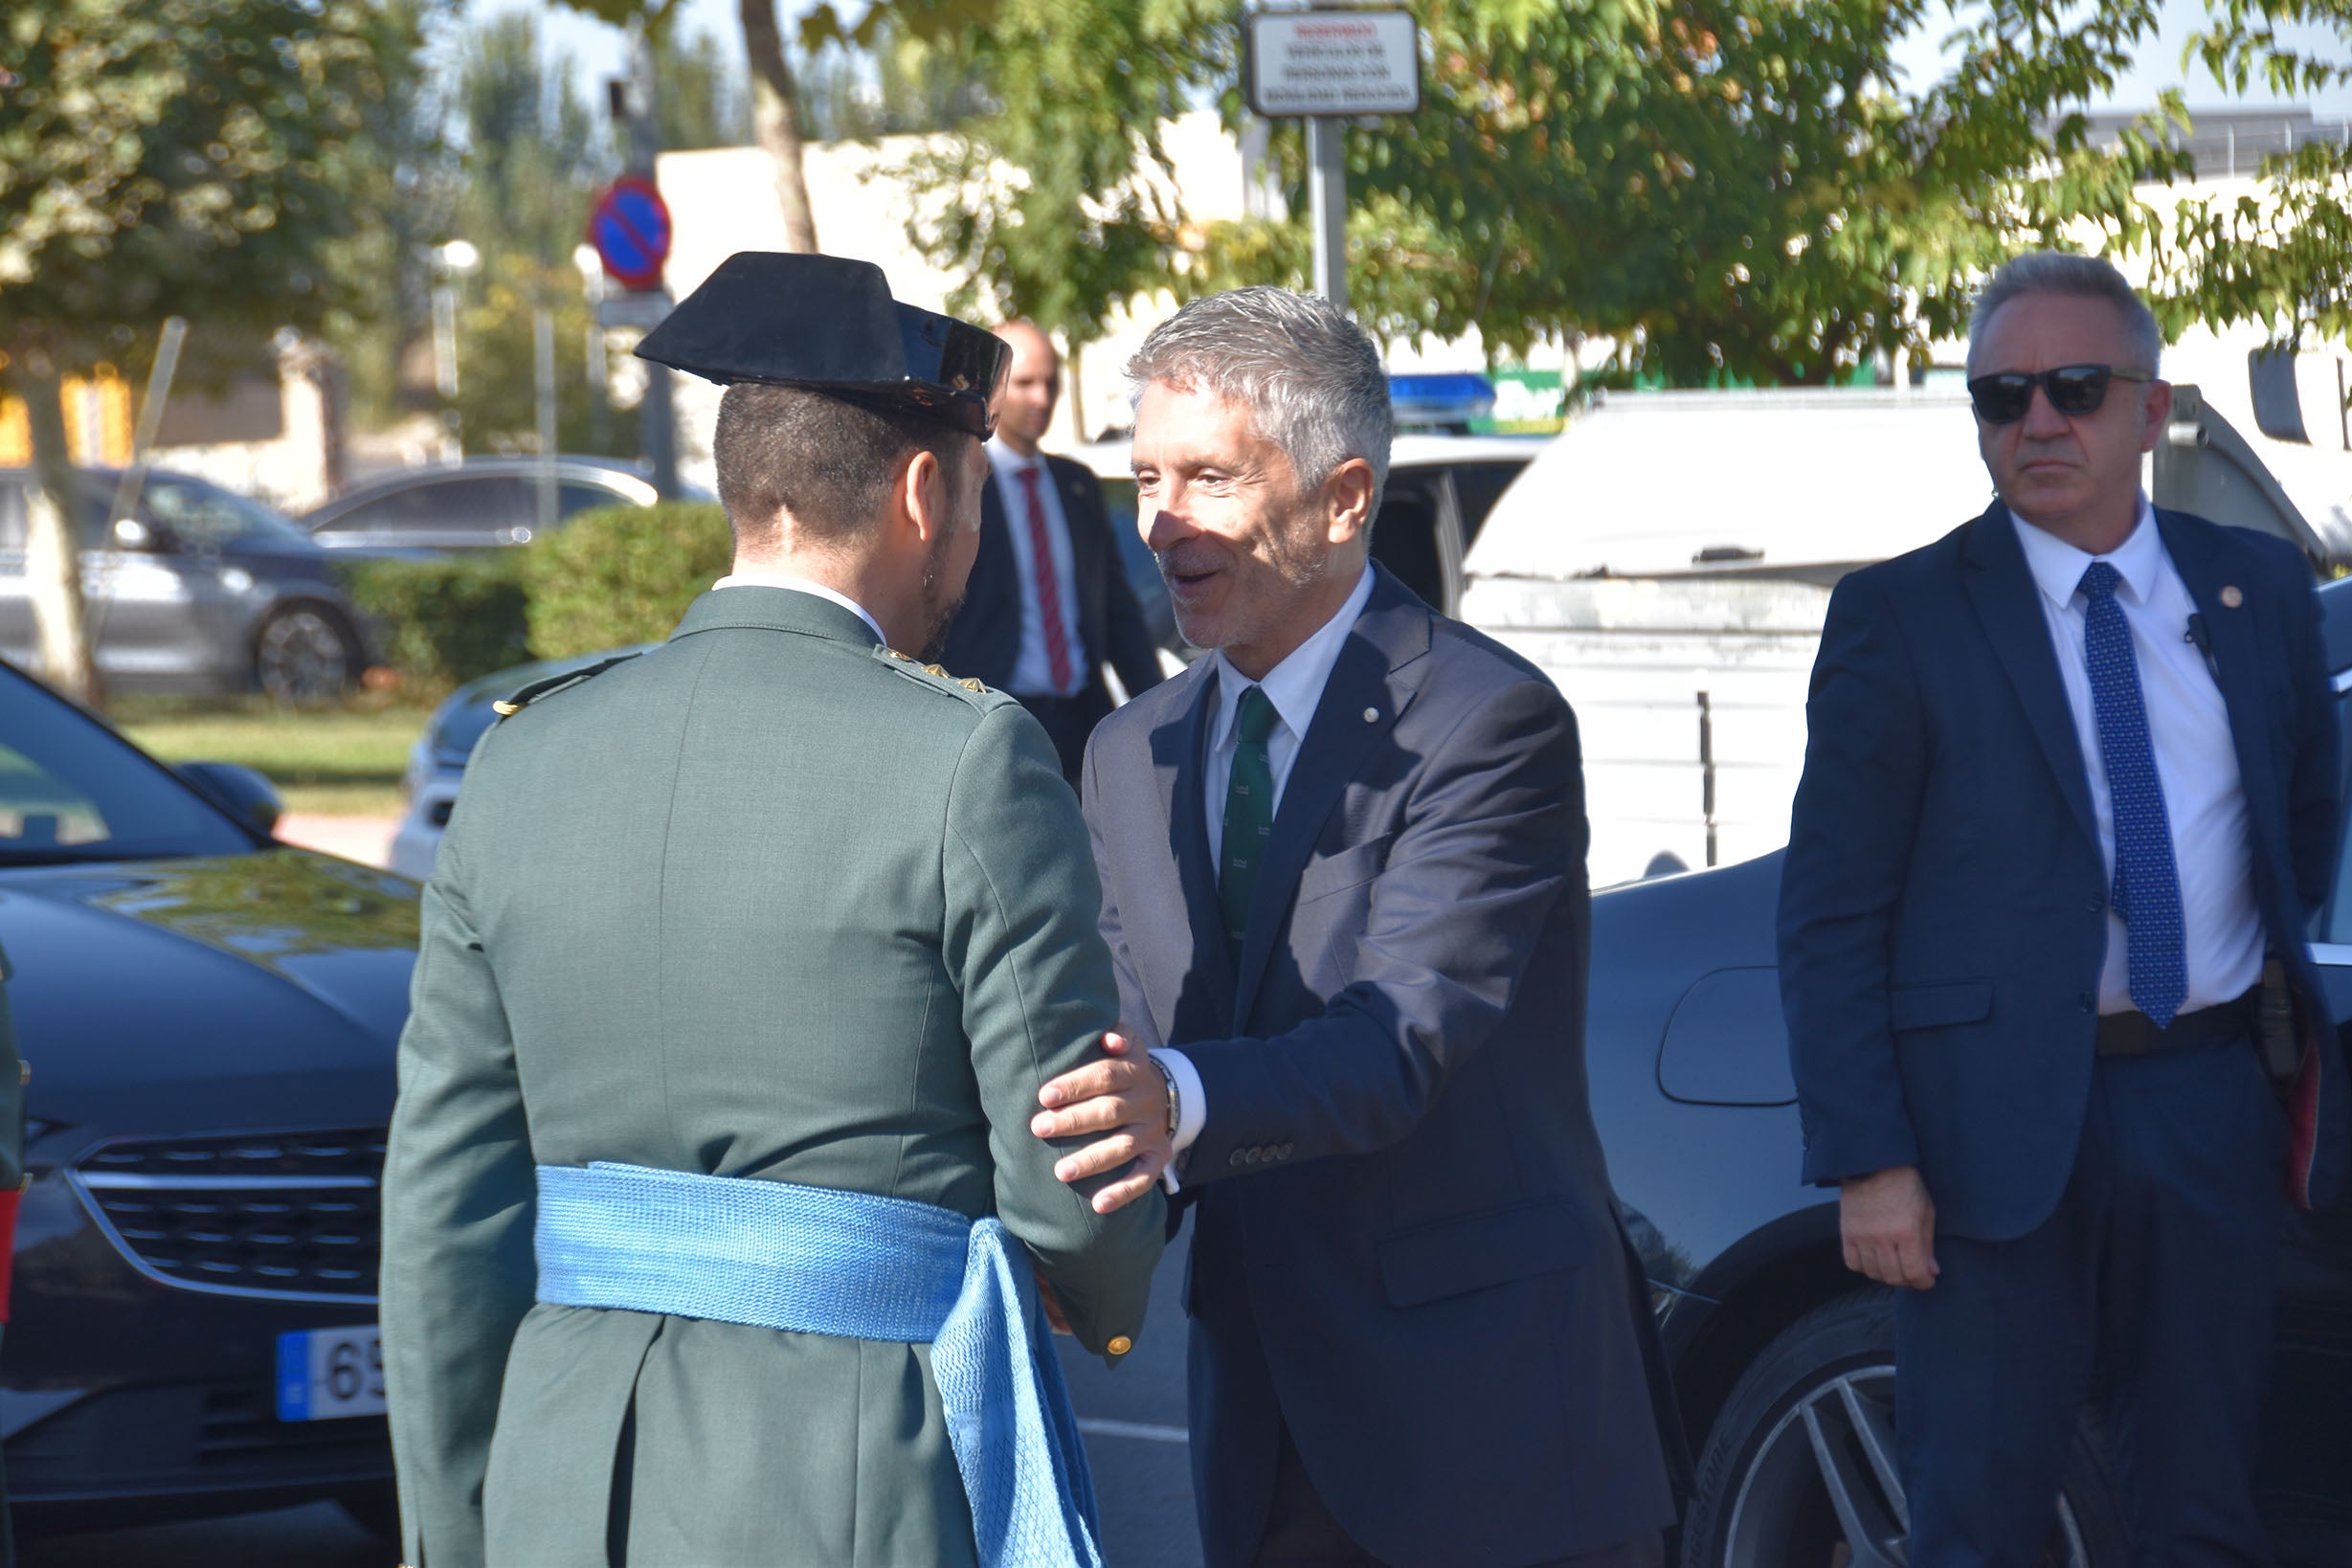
(1048, 586)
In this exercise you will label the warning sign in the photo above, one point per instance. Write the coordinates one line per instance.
(1334, 62)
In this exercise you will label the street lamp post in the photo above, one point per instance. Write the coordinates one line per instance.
(599, 404)
(452, 260)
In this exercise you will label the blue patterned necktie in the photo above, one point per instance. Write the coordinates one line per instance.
(1249, 813)
(2147, 887)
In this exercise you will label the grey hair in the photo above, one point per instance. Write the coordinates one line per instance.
(1310, 377)
(2077, 276)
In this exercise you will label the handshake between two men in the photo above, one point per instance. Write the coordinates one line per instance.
(722, 1148)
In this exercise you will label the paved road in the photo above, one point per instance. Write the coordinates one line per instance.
(1134, 1420)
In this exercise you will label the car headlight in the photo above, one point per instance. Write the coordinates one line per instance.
(420, 765)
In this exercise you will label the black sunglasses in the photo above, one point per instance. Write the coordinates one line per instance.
(2003, 398)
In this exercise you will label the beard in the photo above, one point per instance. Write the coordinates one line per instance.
(939, 606)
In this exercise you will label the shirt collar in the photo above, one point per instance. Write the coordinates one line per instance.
(1295, 685)
(802, 585)
(2058, 567)
(1010, 464)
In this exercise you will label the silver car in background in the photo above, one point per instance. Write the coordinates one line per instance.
(200, 591)
(481, 503)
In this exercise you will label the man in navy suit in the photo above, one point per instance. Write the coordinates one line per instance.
(1343, 884)
(2070, 791)
(1049, 603)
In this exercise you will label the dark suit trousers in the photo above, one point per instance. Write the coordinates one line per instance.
(1300, 1532)
(2156, 1283)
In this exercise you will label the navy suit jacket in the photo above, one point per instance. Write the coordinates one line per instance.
(984, 639)
(1406, 1247)
(1943, 902)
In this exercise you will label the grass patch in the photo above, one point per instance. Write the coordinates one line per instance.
(342, 761)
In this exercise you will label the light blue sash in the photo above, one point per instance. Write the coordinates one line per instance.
(856, 1266)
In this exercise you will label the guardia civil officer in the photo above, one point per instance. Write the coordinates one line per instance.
(711, 1210)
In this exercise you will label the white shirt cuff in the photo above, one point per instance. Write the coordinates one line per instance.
(1192, 1107)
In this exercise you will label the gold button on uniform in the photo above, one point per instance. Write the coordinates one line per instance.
(1120, 1346)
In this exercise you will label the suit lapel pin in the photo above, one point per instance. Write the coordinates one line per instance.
(1372, 715)
(2232, 597)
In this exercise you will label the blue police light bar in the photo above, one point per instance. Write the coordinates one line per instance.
(1450, 400)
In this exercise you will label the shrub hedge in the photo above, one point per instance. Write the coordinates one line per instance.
(621, 574)
(442, 622)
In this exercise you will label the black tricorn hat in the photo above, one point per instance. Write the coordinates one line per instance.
(829, 323)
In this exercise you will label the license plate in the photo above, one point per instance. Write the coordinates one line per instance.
(324, 1374)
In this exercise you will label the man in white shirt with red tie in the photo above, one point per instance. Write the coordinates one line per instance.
(1047, 605)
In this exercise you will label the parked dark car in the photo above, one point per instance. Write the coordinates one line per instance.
(1783, 1361)
(200, 591)
(481, 503)
(208, 1020)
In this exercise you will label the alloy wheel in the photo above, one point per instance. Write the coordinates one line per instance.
(1823, 1489)
(302, 656)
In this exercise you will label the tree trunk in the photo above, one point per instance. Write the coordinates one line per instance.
(775, 111)
(53, 551)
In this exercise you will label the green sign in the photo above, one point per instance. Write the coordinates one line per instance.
(1526, 403)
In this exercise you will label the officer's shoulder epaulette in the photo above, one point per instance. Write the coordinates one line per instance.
(507, 707)
(936, 678)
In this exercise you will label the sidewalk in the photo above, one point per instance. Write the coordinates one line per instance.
(367, 840)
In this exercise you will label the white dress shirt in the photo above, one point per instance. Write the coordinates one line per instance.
(802, 585)
(2196, 760)
(1032, 670)
(1295, 688)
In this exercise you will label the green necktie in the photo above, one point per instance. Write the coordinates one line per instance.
(1250, 813)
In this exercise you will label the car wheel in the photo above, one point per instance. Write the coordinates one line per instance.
(1799, 1470)
(302, 656)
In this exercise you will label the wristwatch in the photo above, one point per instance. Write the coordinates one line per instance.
(1176, 1096)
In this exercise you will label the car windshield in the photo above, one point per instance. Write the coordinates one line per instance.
(72, 790)
(201, 515)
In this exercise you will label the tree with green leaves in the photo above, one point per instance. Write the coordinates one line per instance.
(195, 158)
(1727, 190)
(533, 156)
(704, 98)
(534, 151)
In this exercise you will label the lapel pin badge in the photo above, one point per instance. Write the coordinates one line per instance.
(1372, 715)
(2232, 597)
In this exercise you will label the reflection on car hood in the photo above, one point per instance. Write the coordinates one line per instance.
(232, 990)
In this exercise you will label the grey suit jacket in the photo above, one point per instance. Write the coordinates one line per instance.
(768, 903)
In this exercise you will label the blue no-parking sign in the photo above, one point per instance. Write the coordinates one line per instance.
(630, 230)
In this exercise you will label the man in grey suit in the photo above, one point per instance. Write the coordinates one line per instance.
(1343, 885)
(742, 968)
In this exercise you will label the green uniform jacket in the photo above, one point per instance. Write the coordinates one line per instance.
(769, 901)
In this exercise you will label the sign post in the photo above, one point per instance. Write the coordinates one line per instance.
(630, 230)
(1324, 67)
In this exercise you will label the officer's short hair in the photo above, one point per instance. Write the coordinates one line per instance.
(2077, 276)
(1309, 376)
(824, 460)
